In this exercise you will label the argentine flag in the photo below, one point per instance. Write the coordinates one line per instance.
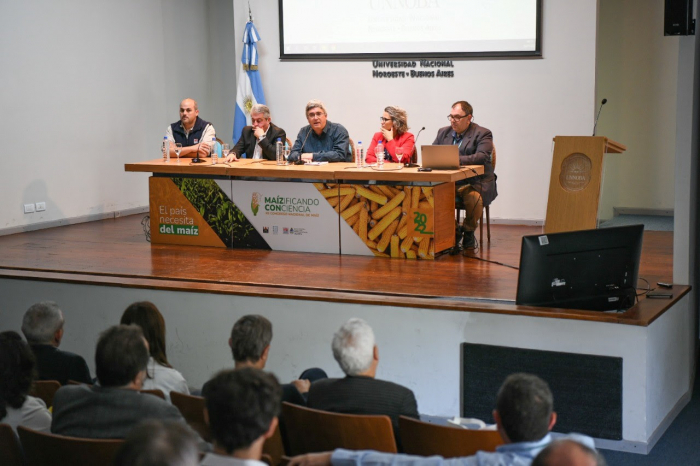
(250, 91)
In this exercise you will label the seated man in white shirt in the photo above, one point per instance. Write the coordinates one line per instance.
(524, 416)
(242, 406)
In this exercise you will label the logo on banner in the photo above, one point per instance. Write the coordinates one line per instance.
(285, 231)
(266, 229)
(274, 230)
(255, 203)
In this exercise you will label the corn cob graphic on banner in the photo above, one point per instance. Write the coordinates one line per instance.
(392, 221)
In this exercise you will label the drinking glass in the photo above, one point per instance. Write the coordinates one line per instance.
(225, 150)
(399, 154)
(178, 149)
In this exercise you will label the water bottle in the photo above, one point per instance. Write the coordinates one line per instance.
(359, 155)
(212, 149)
(279, 153)
(379, 152)
(165, 149)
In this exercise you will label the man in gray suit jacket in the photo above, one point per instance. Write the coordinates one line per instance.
(475, 148)
(360, 392)
(112, 409)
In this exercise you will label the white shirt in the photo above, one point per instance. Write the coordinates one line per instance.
(165, 379)
(32, 414)
(257, 152)
(209, 133)
(212, 459)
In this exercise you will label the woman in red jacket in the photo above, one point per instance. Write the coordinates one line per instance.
(394, 134)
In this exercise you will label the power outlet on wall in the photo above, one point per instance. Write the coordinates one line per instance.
(28, 208)
(40, 206)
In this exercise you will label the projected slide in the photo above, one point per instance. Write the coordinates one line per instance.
(381, 28)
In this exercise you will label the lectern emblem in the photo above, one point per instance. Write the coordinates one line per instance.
(575, 172)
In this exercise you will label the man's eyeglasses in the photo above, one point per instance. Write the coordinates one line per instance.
(315, 115)
(384, 120)
(456, 117)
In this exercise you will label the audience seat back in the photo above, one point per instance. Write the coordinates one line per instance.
(10, 451)
(192, 409)
(45, 389)
(426, 439)
(41, 449)
(155, 392)
(311, 430)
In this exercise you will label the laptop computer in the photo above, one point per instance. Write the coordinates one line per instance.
(440, 157)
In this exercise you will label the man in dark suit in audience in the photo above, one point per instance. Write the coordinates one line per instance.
(524, 416)
(360, 392)
(258, 141)
(113, 408)
(42, 326)
(241, 408)
(250, 340)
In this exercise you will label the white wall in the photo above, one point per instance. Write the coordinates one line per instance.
(90, 85)
(525, 102)
(638, 74)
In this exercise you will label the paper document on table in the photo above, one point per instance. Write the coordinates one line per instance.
(315, 163)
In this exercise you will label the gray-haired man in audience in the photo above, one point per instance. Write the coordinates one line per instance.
(524, 416)
(43, 326)
(568, 453)
(359, 392)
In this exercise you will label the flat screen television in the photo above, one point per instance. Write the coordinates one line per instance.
(588, 269)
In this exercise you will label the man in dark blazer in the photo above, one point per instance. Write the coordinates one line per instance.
(360, 392)
(258, 141)
(42, 326)
(475, 148)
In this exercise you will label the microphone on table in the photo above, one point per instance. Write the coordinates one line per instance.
(599, 110)
(415, 146)
(196, 159)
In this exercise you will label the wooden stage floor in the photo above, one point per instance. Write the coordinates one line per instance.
(115, 253)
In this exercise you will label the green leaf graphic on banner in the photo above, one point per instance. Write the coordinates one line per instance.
(255, 208)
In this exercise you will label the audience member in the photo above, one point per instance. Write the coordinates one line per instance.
(159, 443)
(43, 328)
(360, 392)
(568, 453)
(112, 408)
(242, 408)
(160, 375)
(250, 344)
(17, 372)
(321, 140)
(524, 416)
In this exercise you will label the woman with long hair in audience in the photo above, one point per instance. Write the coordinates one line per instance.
(160, 374)
(17, 373)
(393, 132)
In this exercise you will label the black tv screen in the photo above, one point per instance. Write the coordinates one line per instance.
(588, 269)
(373, 29)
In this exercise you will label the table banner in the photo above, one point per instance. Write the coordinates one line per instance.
(289, 216)
(387, 221)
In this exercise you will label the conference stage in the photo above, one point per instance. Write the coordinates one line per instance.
(423, 313)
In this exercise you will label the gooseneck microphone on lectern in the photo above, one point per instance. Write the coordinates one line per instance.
(598, 116)
(196, 158)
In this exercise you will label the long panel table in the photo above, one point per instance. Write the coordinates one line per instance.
(339, 208)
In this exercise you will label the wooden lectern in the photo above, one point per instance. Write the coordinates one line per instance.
(574, 186)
